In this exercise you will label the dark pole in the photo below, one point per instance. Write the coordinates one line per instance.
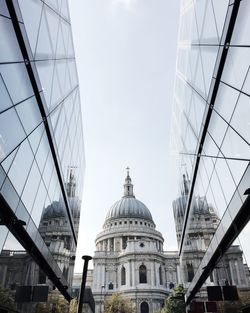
(86, 259)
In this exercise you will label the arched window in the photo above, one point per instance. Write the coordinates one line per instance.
(190, 272)
(111, 286)
(143, 274)
(123, 276)
(160, 275)
(144, 307)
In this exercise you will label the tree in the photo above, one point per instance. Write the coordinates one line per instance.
(175, 302)
(6, 300)
(73, 306)
(118, 304)
(55, 304)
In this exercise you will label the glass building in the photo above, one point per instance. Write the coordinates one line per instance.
(211, 134)
(41, 148)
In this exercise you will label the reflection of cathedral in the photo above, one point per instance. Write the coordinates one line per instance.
(17, 268)
(130, 257)
(56, 233)
(200, 230)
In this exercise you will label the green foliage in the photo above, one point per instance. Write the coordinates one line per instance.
(175, 302)
(6, 299)
(118, 304)
(73, 306)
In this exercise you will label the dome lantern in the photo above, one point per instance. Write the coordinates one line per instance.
(128, 186)
(128, 206)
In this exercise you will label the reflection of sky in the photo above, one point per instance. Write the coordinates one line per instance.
(126, 53)
(11, 243)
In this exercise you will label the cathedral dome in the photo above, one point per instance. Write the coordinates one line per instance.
(129, 206)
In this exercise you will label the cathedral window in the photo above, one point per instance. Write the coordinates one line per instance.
(130, 222)
(160, 275)
(142, 274)
(123, 276)
(190, 272)
(111, 286)
(136, 222)
(124, 242)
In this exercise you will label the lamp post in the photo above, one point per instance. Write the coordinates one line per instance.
(86, 259)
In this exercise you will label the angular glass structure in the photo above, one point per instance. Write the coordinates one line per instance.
(211, 125)
(41, 146)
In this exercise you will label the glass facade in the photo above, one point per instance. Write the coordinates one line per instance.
(41, 147)
(211, 133)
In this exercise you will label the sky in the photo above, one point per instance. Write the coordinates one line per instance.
(126, 58)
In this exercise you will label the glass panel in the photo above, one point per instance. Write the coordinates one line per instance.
(217, 128)
(35, 137)
(29, 114)
(241, 117)
(8, 161)
(210, 148)
(22, 213)
(17, 81)
(42, 152)
(225, 101)
(220, 201)
(31, 21)
(5, 101)
(208, 56)
(3, 234)
(45, 71)
(61, 45)
(9, 48)
(2, 176)
(20, 168)
(39, 204)
(56, 92)
(9, 194)
(48, 170)
(236, 66)
(3, 9)
(65, 9)
(208, 32)
(12, 244)
(225, 178)
(47, 38)
(237, 169)
(9, 137)
(197, 108)
(234, 146)
(220, 10)
(241, 28)
(31, 187)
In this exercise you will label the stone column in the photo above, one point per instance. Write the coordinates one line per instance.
(103, 275)
(156, 282)
(133, 274)
(130, 274)
(152, 270)
(231, 272)
(237, 272)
